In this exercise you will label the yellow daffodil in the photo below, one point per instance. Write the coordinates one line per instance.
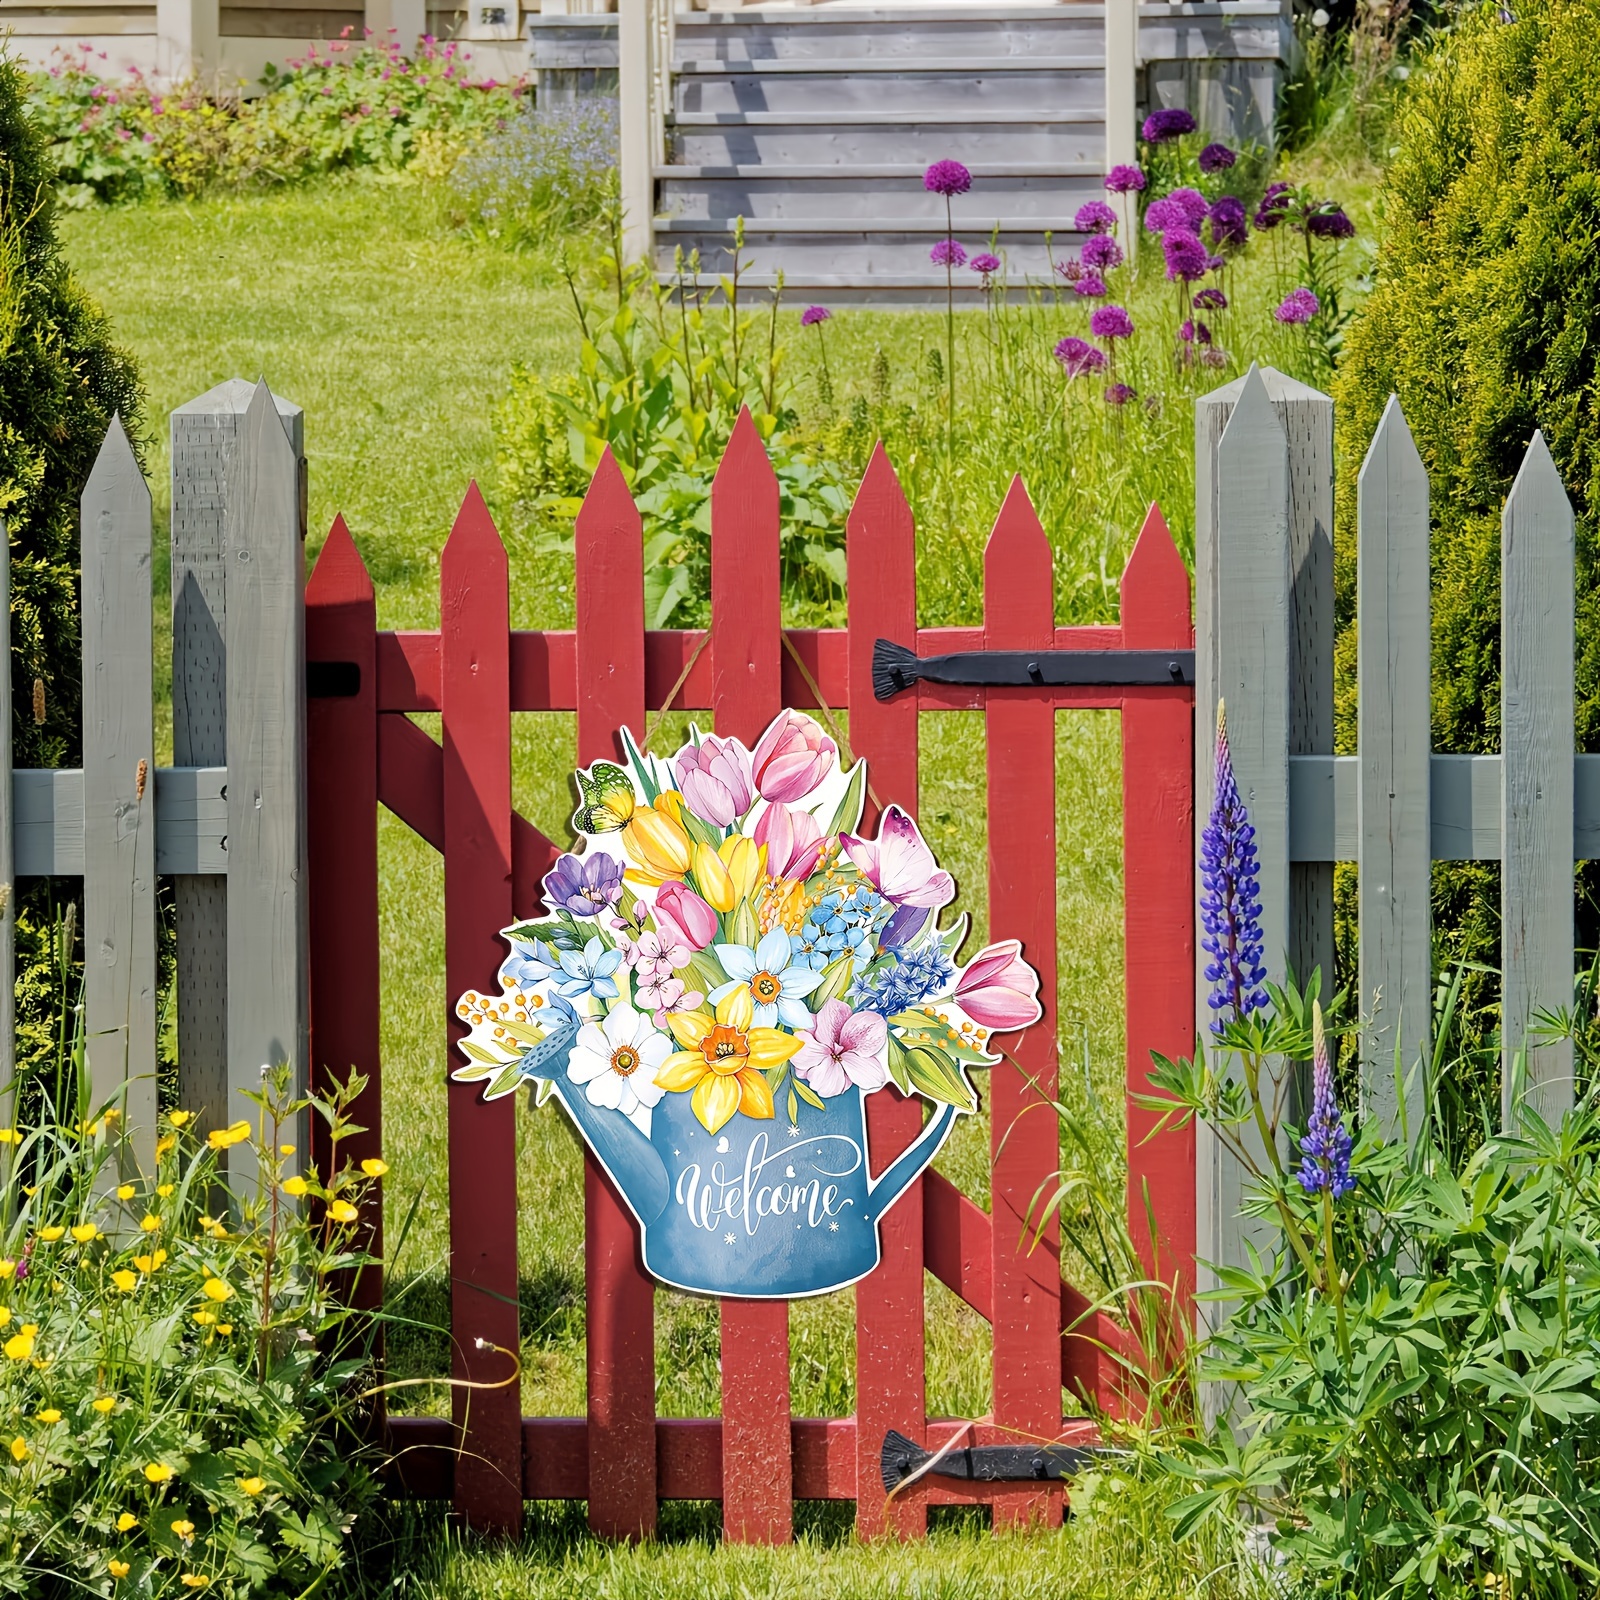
(49, 1414)
(157, 1472)
(205, 1318)
(166, 1190)
(124, 1191)
(10, 1136)
(296, 1187)
(723, 1060)
(85, 1233)
(179, 1118)
(126, 1281)
(105, 1405)
(8, 1269)
(118, 1569)
(285, 1149)
(252, 1486)
(657, 842)
(193, 1580)
(19, 1347)
(183, 1528)
(216, 1289)
(149, 1223)
(51, 1234)
(19, 1450)
(343, 1211)
(126, 1522)
(374, 1168)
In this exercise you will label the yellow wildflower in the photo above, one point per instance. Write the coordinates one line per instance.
(164, 1145)
(374, 1168)
(216, 1289)
(285, 1149)
(85, 1233)
(51, 1234)
(178, 1118)
(151, 1262)
(252, 1486)
(19, 1450)
(126, 1281)
(118, 1569)
(8, 1269)
(149, 1223)
(224, 1328)
(296, 1187)
(183, 1528)
(105, 1405)
(205, 1318)
(124, 1191)
(343, 1211)
(225, 1138)
(10, 1136)
(157, 1472)
(126, 1521)
(5, 1315)
(166, 1190)
(49, 1414)
(193, 1580)
(19, 1347)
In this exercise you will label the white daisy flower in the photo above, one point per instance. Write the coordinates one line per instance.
(616, 1060)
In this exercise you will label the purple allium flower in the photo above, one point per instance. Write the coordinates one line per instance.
(1171, 122)
(1102, 253)
(985, 263)
(947, 178)
(948, 253)
(812, 315)
(1124, 179)
(1071, 269)
(1299, 306)
(1214, 357)
(1119, 394)
(1210, 300)
(1111, 322)
(1078, 357)
(1193, 206)
(1274, 206)
(1216, 263)
(1217, 158)
(1193, 332)
(1330, 223)
(1227, 219)
(1163, 214)
(1186, 256)
(1325, 1149)
(1095, 217)
(584, 885)
(1230, 905)
(1091, 286)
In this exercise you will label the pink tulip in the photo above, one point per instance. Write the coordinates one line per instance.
(999, 990)
(715, 778)
(683, 917)
(793, 840)
(793, 757)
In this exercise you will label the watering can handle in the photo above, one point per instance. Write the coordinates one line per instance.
(888, 1187)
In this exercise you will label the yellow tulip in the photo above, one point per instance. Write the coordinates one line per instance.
(374, 1168)
(712, 880)
(126, 1281)
(86, 1233)
(157, 1472)
(252, 1486)
(216, 1289)
(19, 1347)
(126, 1522)
(105, 1405)
(746, 862)
(658, 845)
(118, 1569)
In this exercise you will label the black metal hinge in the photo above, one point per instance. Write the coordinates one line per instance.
(333, 680)
(986, 1463)
(895, 668)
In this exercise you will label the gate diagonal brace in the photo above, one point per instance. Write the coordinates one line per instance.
(895, 668)
(985, 1463)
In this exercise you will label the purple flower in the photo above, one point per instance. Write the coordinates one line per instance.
(1163, 214)
(1230, 907)
(1071, 269)
(1329, 222)
(1194, 332)
(1102, 253)
(1214, 357)
(947, 178)
(812, 315)
(947, 253)
(1078, 356)
(1299, 306)
(1227, 221)
(1325, 1149)
(1124, 179)
(714, 776)
(1119, 394)
(584, 885)
(1171, 122)
(1193, 206)
(1216, 158)
(1186, 256)
(1091, 286)
(1274, 206)
(1210, 300)
(985, 263)
(1111, 322)
(1095, 217)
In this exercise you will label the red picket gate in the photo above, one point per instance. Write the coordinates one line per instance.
(364, 750)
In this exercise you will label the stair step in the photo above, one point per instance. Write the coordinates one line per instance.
(775, 193)
(878, 119)
(911, 91)
(776, 142)
(980, 170)
(856, 66)
(1058, 223)
(851, 254)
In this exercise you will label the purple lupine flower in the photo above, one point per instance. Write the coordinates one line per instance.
(948, 253)
(1079, 357)
(1124, 179)
(1186, 256)
(1091, 286)
(1171, 122)
(812, 315)
(1192, 204)
(1217, 158)
(1230, 905)
(1102, 253)
(1274, 207)
(1330, 222)
(1210, 300)
(1299, 306)
(1325, 1149)
(1095, 217)
(1227, 220)
(1111, 322)
(947, 178)
(584, 885)
(985, 263)
(1163, 214)
(1119, 394)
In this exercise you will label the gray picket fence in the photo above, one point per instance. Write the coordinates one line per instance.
(227, 820)
(1264, 625)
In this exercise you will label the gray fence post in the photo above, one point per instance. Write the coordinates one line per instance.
(204, 432)
(1394, 656)
(1536, 778)
(267, 905)
(119, 834)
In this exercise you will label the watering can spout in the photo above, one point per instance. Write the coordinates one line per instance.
(908, 1165)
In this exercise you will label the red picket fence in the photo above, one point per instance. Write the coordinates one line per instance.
(475, 670)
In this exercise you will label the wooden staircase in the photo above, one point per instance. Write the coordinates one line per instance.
(816, 124)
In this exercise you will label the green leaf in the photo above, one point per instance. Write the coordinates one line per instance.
(836, 977)
(936, 1075)
(809, 1095)
(847, 814)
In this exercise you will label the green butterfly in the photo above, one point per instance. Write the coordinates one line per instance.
(607, 799)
